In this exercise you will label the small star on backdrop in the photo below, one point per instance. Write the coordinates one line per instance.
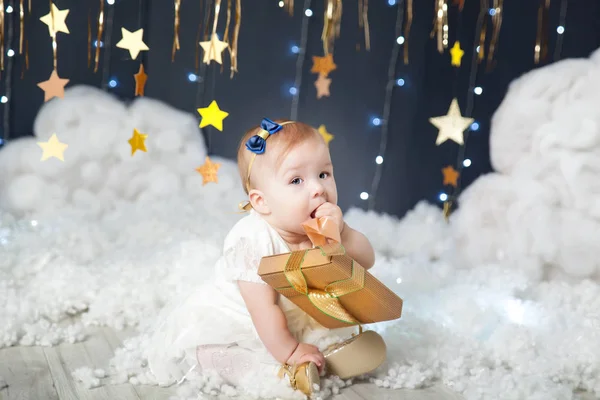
(209, 171)
(213, 49)
(133, 41)
(137, 141)
(57, 23)
(328, 137)
(323, 65)
(450, 176)
(53, 148)
(322, 85)
(212, 115)
(140, 81)
(456, 53)
(451, 125)
(53, 87)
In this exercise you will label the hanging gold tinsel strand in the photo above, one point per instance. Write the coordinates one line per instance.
(409, 18)
(234, 41)
(177, 5)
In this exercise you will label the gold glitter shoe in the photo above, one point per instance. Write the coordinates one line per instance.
(303, 377)
(356, 356)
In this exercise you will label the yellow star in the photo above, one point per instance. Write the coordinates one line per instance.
(213, 49)
(53, 148)
(451, 125)
(328, 137)
(456, 53)
(209, 170)
(133, 42)
(212, 115)
(56, 24)
(137, 141)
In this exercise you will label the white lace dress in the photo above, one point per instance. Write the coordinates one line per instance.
(214, 323)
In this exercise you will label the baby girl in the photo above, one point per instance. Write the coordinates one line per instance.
(235, 324)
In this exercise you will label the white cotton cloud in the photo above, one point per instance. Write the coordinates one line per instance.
(540, 210)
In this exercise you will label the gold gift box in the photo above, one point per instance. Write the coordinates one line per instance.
(330, 286)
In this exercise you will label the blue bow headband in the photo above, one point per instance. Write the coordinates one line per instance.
(258, 143)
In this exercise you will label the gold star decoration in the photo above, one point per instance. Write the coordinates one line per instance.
(450, 176)
(323, 65)
(133, 41)
(451, 125)
(456, 53)
(140, 81)
(209, 170)
(53, 148)
(137, 141)
(322, 85)
(53, 87)
(213, 49)
(328, 137)
(58, 23)
(212, 115)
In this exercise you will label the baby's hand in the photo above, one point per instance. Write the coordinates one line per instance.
(332, 211)
(305, 353)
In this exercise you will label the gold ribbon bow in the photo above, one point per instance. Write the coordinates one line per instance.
(324, 234)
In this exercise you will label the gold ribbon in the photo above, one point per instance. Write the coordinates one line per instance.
(497, 24)
(482, 33)
(1, 35)
(53, 35)
(21, 25)
(440, 26)
(177, 4)
(407, 26)
(541, 40)
(324, 234)
(99, 36)
(289, 7)
(234, 41)
(363, 22)
(331, 26)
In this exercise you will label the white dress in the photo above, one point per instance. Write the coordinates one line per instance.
(215, 317)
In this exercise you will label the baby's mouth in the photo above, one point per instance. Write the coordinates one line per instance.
(312, 214)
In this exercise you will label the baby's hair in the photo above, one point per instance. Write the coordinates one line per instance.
(286, 139)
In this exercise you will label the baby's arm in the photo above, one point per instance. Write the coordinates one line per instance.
(268, 318)
(271, 326)
(358, 246)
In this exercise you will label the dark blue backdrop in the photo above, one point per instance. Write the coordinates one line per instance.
(412, 163)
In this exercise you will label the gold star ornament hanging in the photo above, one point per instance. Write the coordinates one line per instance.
(212, 115)
(450, 176)
(328, 137)
(140, 81)
(53, 148)
(133, 42)
(58, 23)
(209, 171)
(456, 53)
(138, 142)
(213, 49)
(322, 85)
(53, 87)
(451, 125)
(323, 65)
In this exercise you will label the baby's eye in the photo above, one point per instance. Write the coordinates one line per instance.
(296, 181)
(324, 175)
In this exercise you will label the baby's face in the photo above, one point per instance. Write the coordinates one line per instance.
(302, 183)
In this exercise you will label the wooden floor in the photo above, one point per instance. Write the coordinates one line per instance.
(44, 373)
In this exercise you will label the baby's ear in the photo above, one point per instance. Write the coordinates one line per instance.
(258, 201)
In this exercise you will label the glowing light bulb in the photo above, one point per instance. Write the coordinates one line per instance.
(376, 121)
(295, 49)
(467, 162)
(443, 196)
(379, 159)
(192, 77)
(560, 29)
(400, 82)
(10, 52)
(4, 99)
(293, 91)
(364, 195)
(113, 83)
(111, 2)
(400, 40)
(281, 4)
(475, 126)
(308, 12)
(478, 90)
(9, 9)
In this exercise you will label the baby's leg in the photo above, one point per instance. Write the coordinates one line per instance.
(231, 362)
